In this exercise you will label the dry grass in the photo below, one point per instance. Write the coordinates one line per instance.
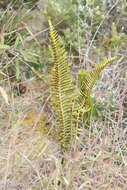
(30, 155)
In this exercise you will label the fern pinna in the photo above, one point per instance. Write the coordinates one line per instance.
(62, 91)
(68, 105)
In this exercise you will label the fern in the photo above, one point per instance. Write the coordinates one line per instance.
(67, 104)
(62, 91)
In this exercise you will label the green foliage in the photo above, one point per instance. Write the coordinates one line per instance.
(65, 11)
(18, 3)
(116, 38)
(74, 18)
(17, 73)
(27, 58)
(68, 106)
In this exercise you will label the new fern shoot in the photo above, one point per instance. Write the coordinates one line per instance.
(67, 104)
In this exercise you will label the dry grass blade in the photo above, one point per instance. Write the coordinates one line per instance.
(4, 94)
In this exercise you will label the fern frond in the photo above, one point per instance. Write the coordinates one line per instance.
(62, 90)
(86, 82)
(64, 100)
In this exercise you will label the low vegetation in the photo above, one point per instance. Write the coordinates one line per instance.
(93, 33)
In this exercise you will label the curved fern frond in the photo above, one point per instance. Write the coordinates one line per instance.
(86, 82)
(62, 90)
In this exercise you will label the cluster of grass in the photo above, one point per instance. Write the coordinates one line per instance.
(31, 157)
